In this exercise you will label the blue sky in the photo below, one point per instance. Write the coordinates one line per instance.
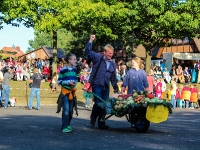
(19, 36)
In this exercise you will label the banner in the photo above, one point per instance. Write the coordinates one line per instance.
(187, 56)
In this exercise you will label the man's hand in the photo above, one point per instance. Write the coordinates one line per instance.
(92, 37)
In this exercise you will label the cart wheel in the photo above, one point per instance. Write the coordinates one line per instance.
(141, 125)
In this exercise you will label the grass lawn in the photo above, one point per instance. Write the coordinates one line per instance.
(19, 90)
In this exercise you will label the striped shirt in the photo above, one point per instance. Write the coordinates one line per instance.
(66, 76)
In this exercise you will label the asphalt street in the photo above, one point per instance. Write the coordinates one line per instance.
(40, 129)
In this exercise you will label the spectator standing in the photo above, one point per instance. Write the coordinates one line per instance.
(46, 61)
(10, 61)
(195, 73)
(158, 88)
(185, 95)
(173, 94)
(19, 72)
(178, 96)
(151, 81)
(6, 85)
(103, 71)
(39, 65)
(35, 89)
(54, 84)
(1, 88)
(118, 76)
(123, 72)
(164, 86)
(46, 72)
(194, 96)
(87, 94)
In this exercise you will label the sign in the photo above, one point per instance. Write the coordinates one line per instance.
(157, 114)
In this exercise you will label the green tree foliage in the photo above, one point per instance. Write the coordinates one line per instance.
(147, 22)
(42, 15)
(66, 41)
(42, 39)
(130, 22)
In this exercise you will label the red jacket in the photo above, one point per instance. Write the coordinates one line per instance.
(46, 70)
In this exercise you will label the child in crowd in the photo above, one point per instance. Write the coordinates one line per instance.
(178, 96)
(118, 76)
(169, 95)
(68, 80)
(173, 93)
(164, 86)
(83, 76)
(185, 95)
(194, 96)
(87, 95)
(54, 80)
(198, 104)
(158, 88)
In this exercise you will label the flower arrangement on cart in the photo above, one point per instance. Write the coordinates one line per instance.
(140, 108)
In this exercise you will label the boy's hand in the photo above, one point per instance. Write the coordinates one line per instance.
(72, 84)
(92, 37)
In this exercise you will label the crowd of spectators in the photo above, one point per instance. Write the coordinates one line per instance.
(23, 68)
(158, 76)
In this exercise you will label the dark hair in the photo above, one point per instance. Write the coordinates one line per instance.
(68, 56)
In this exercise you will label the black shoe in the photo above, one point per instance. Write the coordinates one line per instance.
(103, 127)
(91, 125)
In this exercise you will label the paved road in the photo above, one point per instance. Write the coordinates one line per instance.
(33, 129)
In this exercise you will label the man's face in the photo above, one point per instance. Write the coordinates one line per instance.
(108, 54)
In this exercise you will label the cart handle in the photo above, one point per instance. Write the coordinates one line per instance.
(86, 90)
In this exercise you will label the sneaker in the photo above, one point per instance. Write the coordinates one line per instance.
(37, 109)
(66, 130)
(28, 108)
(70, 128)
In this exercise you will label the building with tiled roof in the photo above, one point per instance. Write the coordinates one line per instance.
(44, 52)
(11, 51)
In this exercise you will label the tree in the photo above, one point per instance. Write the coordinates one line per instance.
(44, 16)
(66, 41)
(147, 22)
